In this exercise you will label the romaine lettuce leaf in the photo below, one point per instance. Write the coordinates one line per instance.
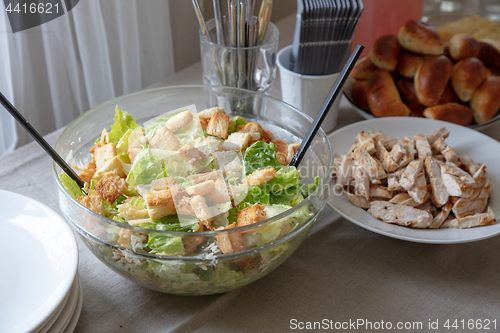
(306, 190)
(138, 202)
(110, 209)
(233, 215)
(260, 155)
(146, 168)
(159, 243)
(285, 188)
(122, 147)
(276, 229)
(167, 223)
(70, 185)
(123, 122)
(287, 176)
(256, 195)
(236, 121)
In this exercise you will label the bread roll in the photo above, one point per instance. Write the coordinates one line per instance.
(431, 79)
(489, 72)
(452, 112)
(417, 110)
(359, 94)
(385, 52)
(407, 91)
(448, 95)
(463, 46)
(408, 64)
(466, 76)
(383, 96)
(446, 46)
(485, 101)
(490, 56)
(492, 42)
(363, 69)
(420, 37)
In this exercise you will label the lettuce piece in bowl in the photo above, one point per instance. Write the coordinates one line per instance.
(260, 155)
(71, 186)
(122, 123)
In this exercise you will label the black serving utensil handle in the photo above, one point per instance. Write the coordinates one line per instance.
(41, 141)
(332, 95)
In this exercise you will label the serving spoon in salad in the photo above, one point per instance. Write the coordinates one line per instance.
(323, 111)
(40, 140)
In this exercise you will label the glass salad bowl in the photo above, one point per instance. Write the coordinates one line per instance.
(194, 263)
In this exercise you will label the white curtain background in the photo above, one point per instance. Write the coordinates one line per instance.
(99, 50)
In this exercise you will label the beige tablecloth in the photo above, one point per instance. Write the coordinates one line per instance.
(341, 275)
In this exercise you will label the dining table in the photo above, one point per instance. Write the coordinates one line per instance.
(342, 277)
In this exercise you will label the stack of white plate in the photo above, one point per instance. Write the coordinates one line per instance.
(39, 286)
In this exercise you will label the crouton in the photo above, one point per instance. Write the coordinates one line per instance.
(268, 136)
(206, 114)
(233, 242)
(165, 139)
(113, 164)
(249, 262)
(242, 140)
(111, 186)
(259, 177)
(191, 243)
(200, 207)
(190, 154)
(87, 172)
(230, 242)
(281, 151)
(103, 153)
(92, 202)
(292, 149)
(219, 125)
(160, 203)
(104, 138)
(201, 188)
(265, 135)
(205, 224)
(237, 241)
(224, 242)
(179, 121)
(251, 215)
(175, 189)
(220, 193)
(125, 238)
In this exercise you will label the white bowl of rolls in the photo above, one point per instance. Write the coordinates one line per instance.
(416, 74)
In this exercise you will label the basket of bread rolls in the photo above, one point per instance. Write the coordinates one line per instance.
(417, 74)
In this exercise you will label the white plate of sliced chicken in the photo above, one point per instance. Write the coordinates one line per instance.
(418, 180)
